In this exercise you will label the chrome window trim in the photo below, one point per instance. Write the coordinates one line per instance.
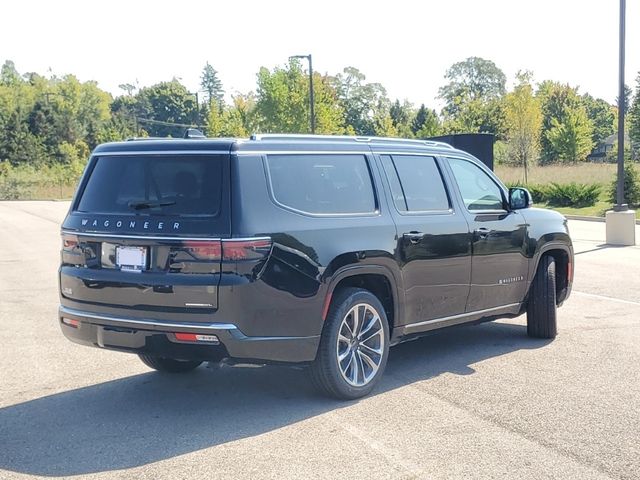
(272, 196)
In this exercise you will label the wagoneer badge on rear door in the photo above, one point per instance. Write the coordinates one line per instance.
(131, 224)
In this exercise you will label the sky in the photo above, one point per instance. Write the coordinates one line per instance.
(405, 45)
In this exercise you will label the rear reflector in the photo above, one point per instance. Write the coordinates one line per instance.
(569, 271)
(196, 337)
(71, 322)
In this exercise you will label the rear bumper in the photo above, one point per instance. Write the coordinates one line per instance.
(155, 337)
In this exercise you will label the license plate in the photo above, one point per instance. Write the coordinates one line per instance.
(131, 259)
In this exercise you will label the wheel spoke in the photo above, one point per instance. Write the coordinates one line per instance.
(343, 355)
(367, 359)
(372, 322)
(350, 355)
(343, 339)
(356, 321)
(369, 349)
(346, 325)
(374, 334)
(354, 368)
(361, 366)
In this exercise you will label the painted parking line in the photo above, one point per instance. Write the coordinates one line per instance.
(604, 297)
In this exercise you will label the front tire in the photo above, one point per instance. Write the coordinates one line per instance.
(354, 345)
(541, 307)
(169, 365)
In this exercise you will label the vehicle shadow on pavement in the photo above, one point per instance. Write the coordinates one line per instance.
(150, 417)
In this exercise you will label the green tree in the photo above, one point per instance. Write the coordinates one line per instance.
(426, 123)
(402, 115)
(244, 108)
(602, 116)
(161, 106)
(8, 74)
(571, 139)
(560, 102)
(211, 84)
(473, 97)
(634, 121)
(282, 103)
(473, 79)
(359, 100)
(215, 120)
(524, 123)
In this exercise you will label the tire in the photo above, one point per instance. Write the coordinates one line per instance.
(368, 347)
(541, 307)
(169, 365)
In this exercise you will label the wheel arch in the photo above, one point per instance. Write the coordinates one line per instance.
(563, 257)
(377, 279)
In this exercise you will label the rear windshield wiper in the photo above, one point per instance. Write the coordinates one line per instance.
(142, 205)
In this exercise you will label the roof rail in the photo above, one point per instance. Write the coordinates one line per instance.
(137, 139)
(334, 138)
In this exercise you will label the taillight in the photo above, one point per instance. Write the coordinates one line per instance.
(228, 250)
(69, 241)
(246, 249)
(204, 250)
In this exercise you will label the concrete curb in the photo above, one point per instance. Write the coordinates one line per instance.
(591, 219)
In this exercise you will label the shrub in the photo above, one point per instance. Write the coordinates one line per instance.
(539, 193)
(631, 186)
(572, 194)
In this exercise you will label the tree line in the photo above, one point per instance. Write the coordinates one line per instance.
(58, 120)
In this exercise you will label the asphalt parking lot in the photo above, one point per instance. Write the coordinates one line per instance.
(476, 402)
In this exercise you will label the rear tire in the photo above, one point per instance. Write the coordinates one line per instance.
(354, 346)
(169, 365)
(541, 307)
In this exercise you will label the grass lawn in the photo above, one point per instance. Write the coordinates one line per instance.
(601, 173)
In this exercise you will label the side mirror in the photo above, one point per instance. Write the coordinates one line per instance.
(519, 198)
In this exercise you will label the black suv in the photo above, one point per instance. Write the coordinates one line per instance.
(311, 250)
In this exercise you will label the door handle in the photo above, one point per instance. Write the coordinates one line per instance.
(482, 232)
(413, 237)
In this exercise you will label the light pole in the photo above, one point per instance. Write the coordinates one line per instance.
(311, 101)
(620, 206)
(621, 222)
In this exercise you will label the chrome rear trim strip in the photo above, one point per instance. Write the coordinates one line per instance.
(145, 322)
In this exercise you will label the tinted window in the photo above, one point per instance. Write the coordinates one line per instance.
(416, 183)
(394, 183)
(479, 191)
(322, 183)
(159, 185)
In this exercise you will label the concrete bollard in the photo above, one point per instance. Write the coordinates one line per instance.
(621, 227)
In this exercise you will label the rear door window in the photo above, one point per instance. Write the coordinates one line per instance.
(416, 183)
(322, 184)
(188, 185)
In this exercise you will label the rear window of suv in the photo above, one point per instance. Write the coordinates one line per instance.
(157, 184)
(322, 184)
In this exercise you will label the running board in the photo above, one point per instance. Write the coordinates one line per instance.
(488, 314)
